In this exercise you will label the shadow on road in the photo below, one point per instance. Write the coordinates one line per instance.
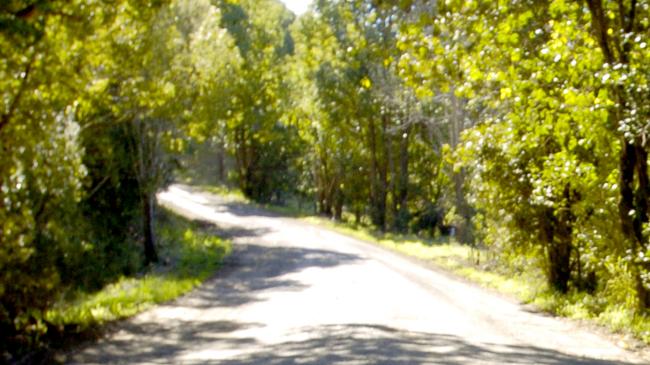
(381, 345)
(336, 344)
(247, 210)
(252, 269)
(371, 344)
(162, 342)
(231, 232)
(247, 276)
(224, 204)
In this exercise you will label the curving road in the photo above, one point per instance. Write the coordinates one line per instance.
(294, 293)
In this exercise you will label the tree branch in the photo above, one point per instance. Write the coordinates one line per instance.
(27, 12)
(599, 25)
(631, 17)
(6, 118)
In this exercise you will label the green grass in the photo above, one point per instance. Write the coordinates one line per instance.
(528, 286)
(524, 281)
(190, 254)
(225, 191)
(466, 261)
(292, 209)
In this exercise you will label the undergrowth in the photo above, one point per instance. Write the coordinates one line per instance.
(189, 254)
(225, 191)
(527, 283)
(523, 280)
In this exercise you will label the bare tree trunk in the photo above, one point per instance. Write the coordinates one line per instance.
(221, 163)
(382, 195)
(462, 207)
(377, 211)
(641, 206)
(391, 180)
(338, 205)
(150, 254)
(403, 182)
(357, 214)
(240, 157)
(148, 168)
(560, 243)
(635, 159)
(326, 187)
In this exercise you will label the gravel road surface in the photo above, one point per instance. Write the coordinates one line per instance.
(295, 293)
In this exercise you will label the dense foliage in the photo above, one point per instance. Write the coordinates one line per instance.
(557, 155)
(97, 100)
(518, 126)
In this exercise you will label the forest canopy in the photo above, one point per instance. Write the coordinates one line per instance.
(519, 127)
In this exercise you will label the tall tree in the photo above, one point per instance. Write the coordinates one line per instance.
(620, 30)
(263, 145)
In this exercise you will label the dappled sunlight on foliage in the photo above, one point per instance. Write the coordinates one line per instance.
(518, 129)
(192, 253)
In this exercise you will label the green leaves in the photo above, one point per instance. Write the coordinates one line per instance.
(405, 112)
(96, 98)
(544, 144)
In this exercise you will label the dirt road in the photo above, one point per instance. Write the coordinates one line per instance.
(293, 293)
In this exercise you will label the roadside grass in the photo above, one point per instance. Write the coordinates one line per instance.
(232, 194)
(292, 208)
(474, 264)
(524, 280)
(189, 254)
(527, 284)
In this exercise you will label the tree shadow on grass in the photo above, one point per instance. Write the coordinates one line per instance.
(251, 270)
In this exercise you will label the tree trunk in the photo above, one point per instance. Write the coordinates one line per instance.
(557, 237)
(403, 182)
(559, 256)
(327, 184)
(378, 210)
(338, 205)
(627, 163)
(150, 254)
(463, 228)
(633, 205)
(221, 163)
(240, 158)
(641, 194)
(391, 179)
(641, 198)
(382, 196)
(563, 242)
